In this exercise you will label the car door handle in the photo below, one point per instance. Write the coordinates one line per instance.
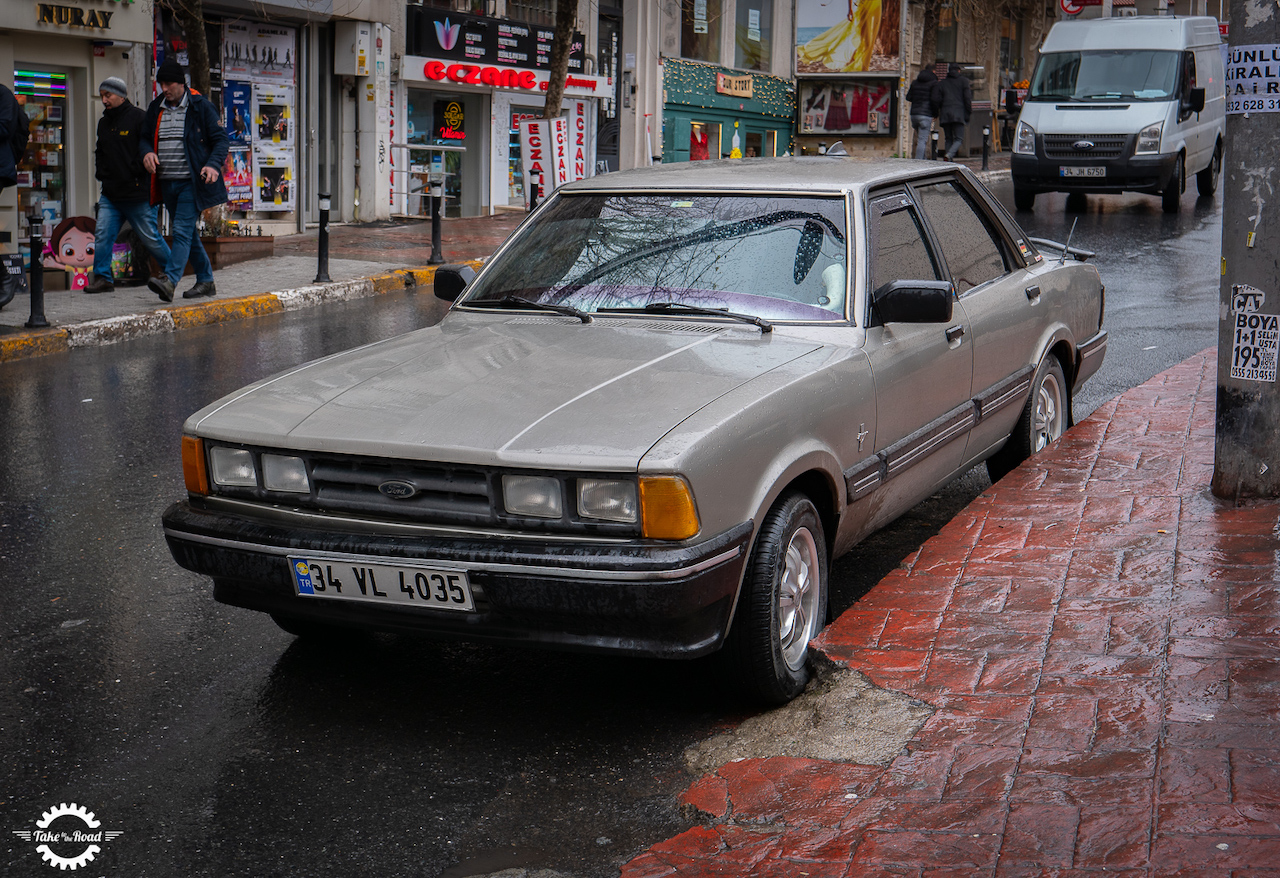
(1033, 294)
(954, 334)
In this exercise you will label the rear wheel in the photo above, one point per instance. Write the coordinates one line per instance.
(1023, 200)
(1044, 419)
(1171, 197)
(783, 603)
(1207, 180)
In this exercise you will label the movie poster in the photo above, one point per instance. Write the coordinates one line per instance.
(258, 52)
(237, 100)
(237, 172)
(273, 184)
(273, 121)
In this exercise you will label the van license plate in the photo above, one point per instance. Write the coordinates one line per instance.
(1082, 172)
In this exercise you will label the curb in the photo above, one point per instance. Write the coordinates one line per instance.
(59, 339)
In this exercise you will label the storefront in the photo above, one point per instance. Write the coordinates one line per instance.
(712, 112)
(468, 81)
(53, 57)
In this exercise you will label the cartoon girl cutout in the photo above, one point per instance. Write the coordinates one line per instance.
(71, 248)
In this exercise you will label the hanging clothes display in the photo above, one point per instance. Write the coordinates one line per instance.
(698, 145)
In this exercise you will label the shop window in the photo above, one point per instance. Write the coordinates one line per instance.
(947, 33)
(704, 141)
(700, 30)
(753, 35)
(42, 169)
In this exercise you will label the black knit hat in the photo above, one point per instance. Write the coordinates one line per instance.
(171, 71)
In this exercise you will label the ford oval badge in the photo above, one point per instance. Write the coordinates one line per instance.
(397, 489)
(1083, 144)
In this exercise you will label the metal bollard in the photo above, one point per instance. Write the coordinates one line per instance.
(986, 146)
(437, 248)
(322, 248)
(934, 136)
(36, 224)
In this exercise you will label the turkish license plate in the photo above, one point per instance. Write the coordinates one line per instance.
(1068, 171)
(376, 581)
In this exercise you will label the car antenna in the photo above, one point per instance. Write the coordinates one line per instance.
(1066, 248)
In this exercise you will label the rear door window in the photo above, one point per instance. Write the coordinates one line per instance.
(972, 250)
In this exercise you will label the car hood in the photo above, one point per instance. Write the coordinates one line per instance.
(534, 391)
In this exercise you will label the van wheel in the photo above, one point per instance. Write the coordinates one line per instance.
(1045, 418)
(1077, 202)
(1207, 180)
(1171, 197)
(1023, 200)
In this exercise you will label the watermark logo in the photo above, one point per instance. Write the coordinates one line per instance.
(68, 836)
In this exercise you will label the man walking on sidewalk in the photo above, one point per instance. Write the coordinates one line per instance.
(953, 104)
(184, 148)
(125, 184)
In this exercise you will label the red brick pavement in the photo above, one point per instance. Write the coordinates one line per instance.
(1100, 638)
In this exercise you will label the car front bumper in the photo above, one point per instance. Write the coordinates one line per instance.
(1127, 173)
(619, 596)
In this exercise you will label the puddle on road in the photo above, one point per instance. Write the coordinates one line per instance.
(841, 717)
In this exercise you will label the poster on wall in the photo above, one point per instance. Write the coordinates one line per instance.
(258, 52)
(237, 100)
(273, 187)
(237, 172)
(849, 107)
(273, 115)
(852, 36)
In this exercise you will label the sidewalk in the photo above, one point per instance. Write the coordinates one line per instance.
(1100, 640)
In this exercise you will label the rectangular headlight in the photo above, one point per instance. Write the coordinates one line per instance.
(607, 500)
(281, 473)
(1149, 139)
(232, 467)
(538, 496)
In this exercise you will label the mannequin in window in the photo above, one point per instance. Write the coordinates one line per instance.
(698, 143)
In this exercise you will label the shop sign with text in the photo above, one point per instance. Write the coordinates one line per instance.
(436, 70)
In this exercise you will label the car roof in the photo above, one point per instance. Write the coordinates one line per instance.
(788, 173)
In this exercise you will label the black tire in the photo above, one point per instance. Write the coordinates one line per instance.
(1207, 180)
(1044, 418)
(1023, 200)
(304, 627)
(781, 607)
(1077, 202)
(1171, 197)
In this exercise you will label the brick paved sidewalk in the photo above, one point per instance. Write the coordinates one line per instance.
(1099, 636)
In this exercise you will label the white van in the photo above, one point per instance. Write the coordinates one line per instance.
(1123, 105)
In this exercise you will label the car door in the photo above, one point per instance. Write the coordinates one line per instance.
(922, 371)
(1001, 301)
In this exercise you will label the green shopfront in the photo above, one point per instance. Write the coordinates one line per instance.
(712, 112)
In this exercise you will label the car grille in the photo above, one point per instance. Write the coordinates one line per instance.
(445, 494)
(1105, 146)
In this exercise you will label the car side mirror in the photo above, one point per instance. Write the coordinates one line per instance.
(451, 280)
(1011, 102)
(914, 301)
(1197, 100)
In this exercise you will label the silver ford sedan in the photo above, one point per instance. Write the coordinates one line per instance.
(653, 418)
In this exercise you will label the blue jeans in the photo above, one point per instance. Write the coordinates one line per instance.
(111, 215)
(923, 126)
(180, 201)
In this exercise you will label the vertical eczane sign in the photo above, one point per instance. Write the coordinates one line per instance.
(578, 140)
(560, 143)
(536, 156)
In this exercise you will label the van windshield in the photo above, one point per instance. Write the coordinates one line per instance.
(1129, 74)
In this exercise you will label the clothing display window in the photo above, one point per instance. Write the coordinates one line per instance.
(42, 180)
(704, 141)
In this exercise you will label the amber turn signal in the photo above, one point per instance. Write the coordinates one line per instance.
(193, 468)
(666, 508)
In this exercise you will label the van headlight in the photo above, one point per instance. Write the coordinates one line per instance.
(1149, 139)
(1024, 139)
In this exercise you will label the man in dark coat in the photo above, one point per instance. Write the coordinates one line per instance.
(12, 119)
(183, 147)
(920, 96)
(125, 184)
(953, 104)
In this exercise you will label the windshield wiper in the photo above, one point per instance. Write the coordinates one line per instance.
(680, 308)
(518, 303)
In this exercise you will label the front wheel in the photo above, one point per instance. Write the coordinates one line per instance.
(1044, 419)
(1023, 200)
(1207, 180)
(783, 604)
(1171, 197)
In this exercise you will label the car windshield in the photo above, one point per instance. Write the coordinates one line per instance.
(772, 257)
(1131, 75)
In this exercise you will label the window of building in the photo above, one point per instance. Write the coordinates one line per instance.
(700, 30)
(947, 33)
(753, 35)
(533, 11)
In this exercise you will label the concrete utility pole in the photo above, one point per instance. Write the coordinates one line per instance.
(1247, 433)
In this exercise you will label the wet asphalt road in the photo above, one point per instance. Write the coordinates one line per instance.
(220, 746)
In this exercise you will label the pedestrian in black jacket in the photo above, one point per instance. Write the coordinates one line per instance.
(126, 185)
(920, 96)
(953, 104)
(13, 122)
